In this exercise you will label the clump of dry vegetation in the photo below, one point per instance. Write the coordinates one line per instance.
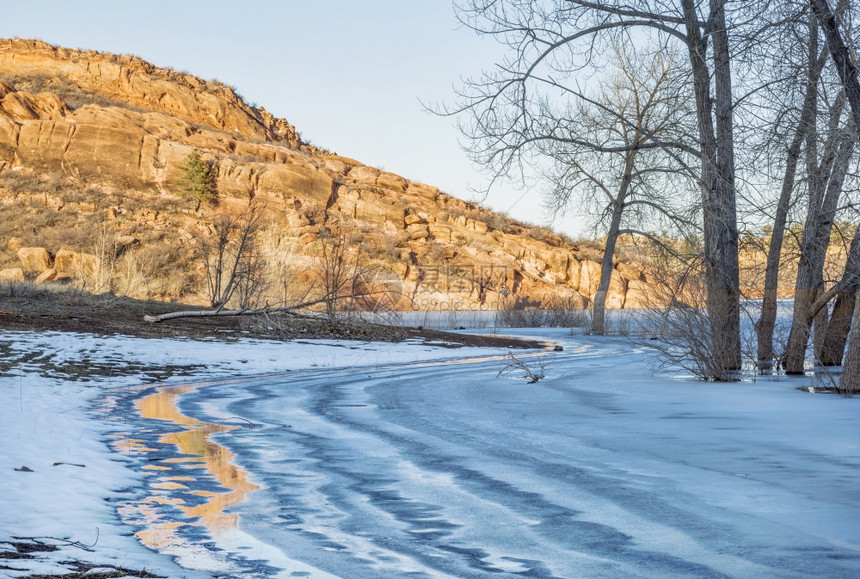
(136, 255)
(73, 95)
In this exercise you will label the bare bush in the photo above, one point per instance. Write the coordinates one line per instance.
(156, 269)
(18, 289)
(499, 221)
(681, 332)
(521, 318)
(130, 277)
(232, 261)
(101, 273)
(289, 325)
(512, 364)
(560, 313)
(825, 380)
(622, 323)
(282, 252)
(388, 401)
(345, 277)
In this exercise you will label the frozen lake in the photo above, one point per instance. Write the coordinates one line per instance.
(429, 469)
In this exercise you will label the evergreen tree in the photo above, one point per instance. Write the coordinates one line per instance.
(197, 180)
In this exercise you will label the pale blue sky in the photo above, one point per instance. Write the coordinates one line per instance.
(349, 75)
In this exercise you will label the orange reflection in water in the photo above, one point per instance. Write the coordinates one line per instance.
(201, 452)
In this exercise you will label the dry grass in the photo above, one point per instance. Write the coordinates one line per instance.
(58, 212)
(69, 91)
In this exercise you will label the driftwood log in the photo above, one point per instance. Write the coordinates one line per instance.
(222, 312)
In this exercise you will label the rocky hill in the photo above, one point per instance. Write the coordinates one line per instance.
(91, 146)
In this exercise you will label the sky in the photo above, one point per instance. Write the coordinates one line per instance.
(353, 77)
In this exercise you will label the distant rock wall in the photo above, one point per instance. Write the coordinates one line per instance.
(440, 250)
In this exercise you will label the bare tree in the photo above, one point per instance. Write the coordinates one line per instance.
(551, 43)
(232, 262)
(826, 168)
(343, 274)
(824, 183)
(814, 64)
(644, 98)
(845, 66)
(849, 382)
(716, 141)
(848, 75)
(285, 261)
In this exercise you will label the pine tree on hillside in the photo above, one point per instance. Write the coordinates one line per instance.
(197, 180)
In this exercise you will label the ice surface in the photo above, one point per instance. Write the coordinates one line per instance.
(379, 460)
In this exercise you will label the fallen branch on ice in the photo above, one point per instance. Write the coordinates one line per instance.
(515, 364)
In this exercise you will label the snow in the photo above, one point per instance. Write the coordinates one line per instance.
(349, 459)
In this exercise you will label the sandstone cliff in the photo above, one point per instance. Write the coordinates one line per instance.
(115, 129)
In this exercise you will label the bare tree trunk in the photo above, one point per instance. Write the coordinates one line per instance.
(833, 346)
(598, 325)
(718, 187)
(219, 312)
(767, 322)
(849, 382)
(845, 67)
(724, 311)
(816, 238)
(837, 179)
(820, 323)
(840, 322)
(229, 255)
(847, 70)
(599, 310)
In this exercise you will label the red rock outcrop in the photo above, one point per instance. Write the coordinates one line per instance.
(150, 119)
(137, 82)
(35, 259)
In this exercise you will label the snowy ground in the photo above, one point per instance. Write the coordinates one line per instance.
(371, 460)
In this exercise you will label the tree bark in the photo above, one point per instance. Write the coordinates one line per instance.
(718, 187)
(598, 320)
(833, 346)
(221, 312)
(849, 382)
(767, 322)
(598, 323)
(840, 322)
(845, 67)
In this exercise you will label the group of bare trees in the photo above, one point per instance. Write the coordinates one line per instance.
(702, 117)
(244, 270)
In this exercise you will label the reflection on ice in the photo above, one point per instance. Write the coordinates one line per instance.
(177, 480)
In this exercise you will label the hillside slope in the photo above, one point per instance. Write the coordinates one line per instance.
(91, 146)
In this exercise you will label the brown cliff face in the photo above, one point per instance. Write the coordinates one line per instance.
(139, 83)
(115, 130)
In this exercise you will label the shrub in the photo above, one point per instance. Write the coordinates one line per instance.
(498, 222)
(559, 313)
